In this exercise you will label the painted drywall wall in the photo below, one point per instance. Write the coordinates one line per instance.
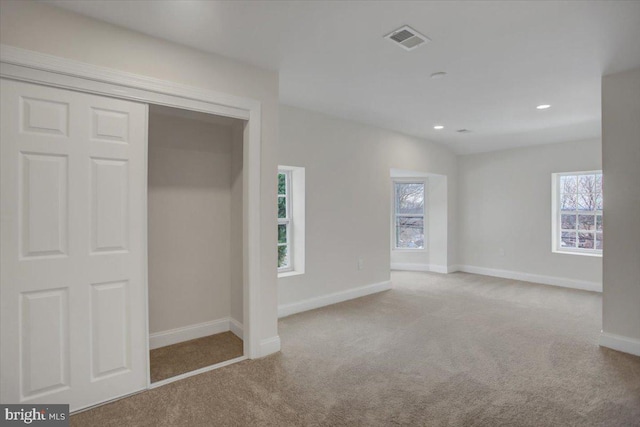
(189, 228)
(621, 169)
(348, 198)
(505, 210)
(236, 263)
(69, 35)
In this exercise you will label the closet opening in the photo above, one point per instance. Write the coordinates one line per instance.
(195, 241)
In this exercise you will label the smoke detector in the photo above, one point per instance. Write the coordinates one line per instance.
(463, 131)
(407, 38)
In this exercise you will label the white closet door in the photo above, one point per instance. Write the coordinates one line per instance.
(73, 184)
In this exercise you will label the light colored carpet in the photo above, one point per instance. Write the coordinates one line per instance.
(437, 350)
(176, 359)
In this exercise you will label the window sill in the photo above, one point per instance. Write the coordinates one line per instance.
(289, 273)
(566, 252)
(409, 250)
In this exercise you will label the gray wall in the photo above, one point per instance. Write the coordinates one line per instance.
(621, 168)
(505, 203)
(237, 308)
(189, 229)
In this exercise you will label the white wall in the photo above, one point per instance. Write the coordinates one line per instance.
(621, 169)
(46, 29)
(505, 204)
(189, 229)
(348, 199)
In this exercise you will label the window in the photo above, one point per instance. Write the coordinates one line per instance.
(285, 223)
(577, 213)
(409, 214)
(291, 220)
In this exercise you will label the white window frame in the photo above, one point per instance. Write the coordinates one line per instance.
(288, 221)
(295, 221)
(395, 213)
(556, 212)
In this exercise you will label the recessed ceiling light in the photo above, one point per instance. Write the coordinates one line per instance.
(438, 75)
(438, 127)
(543, 106)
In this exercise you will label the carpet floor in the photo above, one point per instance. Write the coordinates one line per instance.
(437, 350)
(176, 359)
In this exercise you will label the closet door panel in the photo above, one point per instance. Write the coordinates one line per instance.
(73, 186)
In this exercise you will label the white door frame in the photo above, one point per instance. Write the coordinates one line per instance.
(34, 67)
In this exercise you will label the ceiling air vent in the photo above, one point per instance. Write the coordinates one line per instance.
(463, 131)
(407, 38)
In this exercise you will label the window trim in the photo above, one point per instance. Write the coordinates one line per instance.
(394, 214)
(287, 221)
(556, 213)
(296, 214)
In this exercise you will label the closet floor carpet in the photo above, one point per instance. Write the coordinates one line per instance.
(176, 359)
(437, 350)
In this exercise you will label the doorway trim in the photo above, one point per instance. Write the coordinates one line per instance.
(34, 67)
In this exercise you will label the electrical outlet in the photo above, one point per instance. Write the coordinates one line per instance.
(360, 263)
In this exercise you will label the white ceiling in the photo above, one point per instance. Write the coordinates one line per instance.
(502, 59)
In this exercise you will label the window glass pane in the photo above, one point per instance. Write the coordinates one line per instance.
(568, 239)
(586, 222)
(568, 222)
(283, 256)
(282, 183)
(568, 184)
(282, 233)
(282, 207)
(585, 240)
(586, 184)
(582, 193)
(599, 183)
(599, 241)
(568, 202)
(587, 201)
(410, 232)
(409, 198)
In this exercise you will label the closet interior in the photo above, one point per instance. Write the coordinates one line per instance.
(195, 238)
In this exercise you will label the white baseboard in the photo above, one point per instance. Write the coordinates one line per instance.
(235, 327)
(453, 268)
(269, 346)
(402, 266)
(536, 278)
(444, 269)
(620, 343)
(191, 332)
(334, 298)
